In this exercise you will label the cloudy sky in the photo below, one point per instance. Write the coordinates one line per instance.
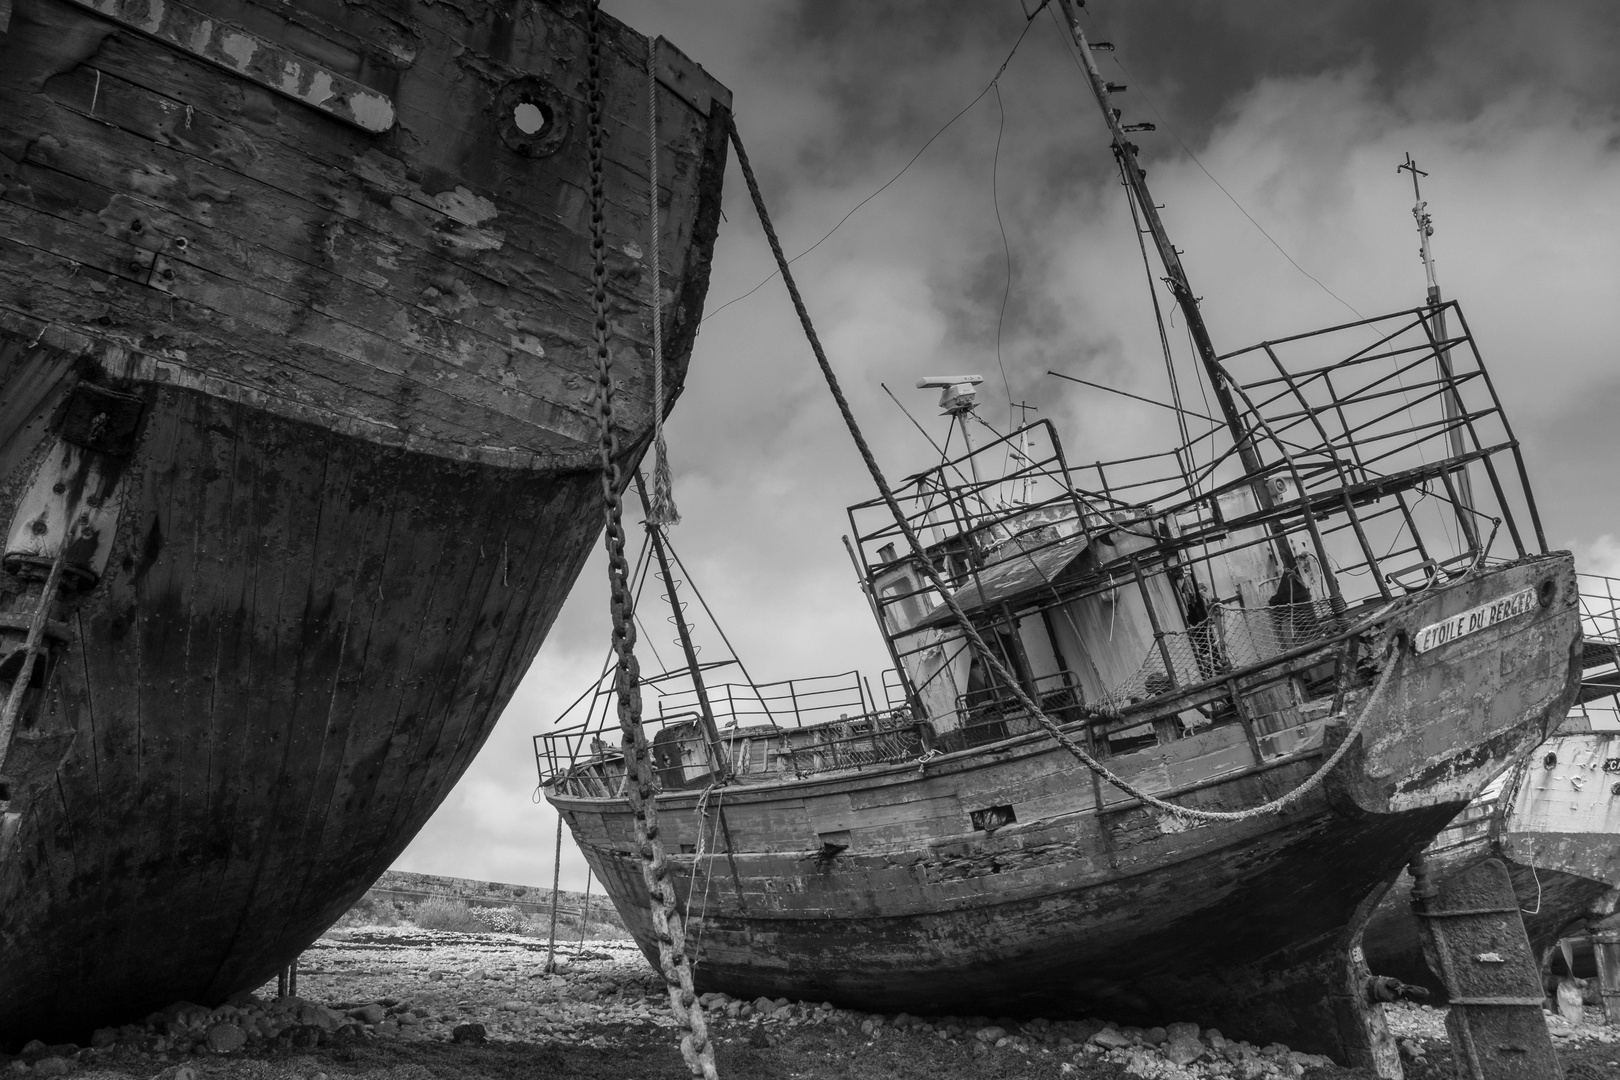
(1010, 234)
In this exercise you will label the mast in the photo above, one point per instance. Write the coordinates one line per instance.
(1450, 401)
(718, 764)
(1136, 180)
(1176, 274)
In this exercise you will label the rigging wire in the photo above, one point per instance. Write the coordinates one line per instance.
(1158, 321)
(885, 185)
(1232, 198)
(995, 201)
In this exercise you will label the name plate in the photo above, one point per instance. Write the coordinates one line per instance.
(1474, 620)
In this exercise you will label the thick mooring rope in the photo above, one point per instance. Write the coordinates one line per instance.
(1063, 739)
(640, 790)
(661, 508)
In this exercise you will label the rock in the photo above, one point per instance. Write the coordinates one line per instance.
(1571, 994)
(1110, 1039)
(1156, 1036)
(1183, 1051)
(510, 1006)
(225, 1038)
(990, 1033)
(345, 1033)
(103, 1038)
(317, 1017)
(1182, 1031)
(369, 1014)
(757, 1038)
(52, 1066)
(33, 1046)
(435, 976)
(468, 1033)
(303, 1036)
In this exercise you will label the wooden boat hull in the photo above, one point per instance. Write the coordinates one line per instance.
(1556, 833)
(317, 396)
(1090, 903)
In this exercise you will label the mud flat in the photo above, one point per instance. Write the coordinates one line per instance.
(402, 1003)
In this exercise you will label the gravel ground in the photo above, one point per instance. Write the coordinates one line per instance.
(400, 1003)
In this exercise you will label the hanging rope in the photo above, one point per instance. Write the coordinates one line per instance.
(585, 916)
(984, 651)
(661, 508)
(640, 789)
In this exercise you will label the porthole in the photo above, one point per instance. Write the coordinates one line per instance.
(530, 118)
(533, 117)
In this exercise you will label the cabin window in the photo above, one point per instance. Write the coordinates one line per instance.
(902, 601)
(992, 817)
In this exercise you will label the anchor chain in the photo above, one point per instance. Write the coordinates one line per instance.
(696, 1048)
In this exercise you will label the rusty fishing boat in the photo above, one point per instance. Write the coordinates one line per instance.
(1553, 820)
(1159, 732)
(297, 452)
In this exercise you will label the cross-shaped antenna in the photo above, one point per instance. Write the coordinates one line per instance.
(1425, 226)
(1411, 167)
(1025, 407)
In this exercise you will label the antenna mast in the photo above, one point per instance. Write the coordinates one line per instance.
(1175, 274)
(1450, 402)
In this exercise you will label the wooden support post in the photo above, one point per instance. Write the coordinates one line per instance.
(1606, 948)
(1474, 939)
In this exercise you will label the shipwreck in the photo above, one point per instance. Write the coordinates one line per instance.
(297, 447)
(1158, 732)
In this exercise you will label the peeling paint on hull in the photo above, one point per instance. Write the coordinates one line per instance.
(1245, 926)
(1554, 829)
(351, 508)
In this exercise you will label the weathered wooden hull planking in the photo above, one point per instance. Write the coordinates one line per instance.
(295, 388)
(1555, 828)
(1124, 912)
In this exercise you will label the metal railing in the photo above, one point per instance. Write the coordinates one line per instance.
(797, 727)
(1387, 466)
